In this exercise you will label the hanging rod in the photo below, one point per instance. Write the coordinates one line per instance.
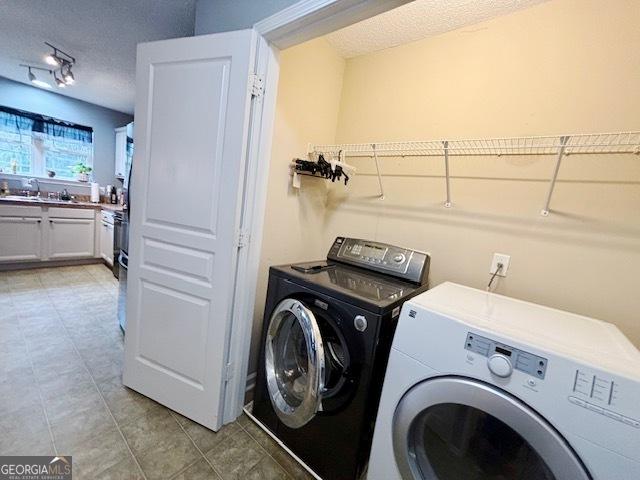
(559, 145)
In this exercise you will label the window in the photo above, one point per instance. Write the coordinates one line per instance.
(32, 144)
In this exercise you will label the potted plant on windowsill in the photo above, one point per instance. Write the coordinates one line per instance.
(82, 172)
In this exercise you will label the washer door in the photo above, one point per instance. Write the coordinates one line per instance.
(294, 363)
(450, 428)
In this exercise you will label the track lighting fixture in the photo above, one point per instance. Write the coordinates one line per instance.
(61, 63)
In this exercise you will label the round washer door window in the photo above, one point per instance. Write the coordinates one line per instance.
(294, 362)
(451, 428)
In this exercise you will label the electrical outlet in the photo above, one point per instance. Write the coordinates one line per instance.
(504, 260)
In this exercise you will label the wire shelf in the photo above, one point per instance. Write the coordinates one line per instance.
(558, 145)
(621, 142)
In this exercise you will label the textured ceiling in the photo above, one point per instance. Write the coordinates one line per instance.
(416, 20)
(101, 34)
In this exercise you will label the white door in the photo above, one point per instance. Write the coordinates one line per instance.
(20, 238)
(71, 238)
(192, 120)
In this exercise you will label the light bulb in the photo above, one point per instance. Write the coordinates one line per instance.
(60, 83)
(68, 77)
(52, 59)
(40, 83)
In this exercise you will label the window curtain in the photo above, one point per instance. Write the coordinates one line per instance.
(62, 131)
(15, 123)
(26, 122)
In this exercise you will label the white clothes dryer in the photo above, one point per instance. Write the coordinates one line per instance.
(482, 386)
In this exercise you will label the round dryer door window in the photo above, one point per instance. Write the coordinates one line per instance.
(451, 428)
(294, 363)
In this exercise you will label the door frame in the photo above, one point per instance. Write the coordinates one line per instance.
(302, 21)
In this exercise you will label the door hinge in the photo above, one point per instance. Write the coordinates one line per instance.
(256, 85)
(243, 239)
(228, 372)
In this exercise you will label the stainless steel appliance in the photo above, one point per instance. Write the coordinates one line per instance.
(123, 254)
(326, 338)
(117, 241)
(123, 261)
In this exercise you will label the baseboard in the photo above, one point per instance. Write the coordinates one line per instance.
(49, 263)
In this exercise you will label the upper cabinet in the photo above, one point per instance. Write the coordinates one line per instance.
(121, 152)
(124, 152)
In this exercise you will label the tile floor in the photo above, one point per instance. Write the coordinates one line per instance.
(61, 392)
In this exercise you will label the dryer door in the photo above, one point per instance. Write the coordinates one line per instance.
(450, 428)
(294, 363)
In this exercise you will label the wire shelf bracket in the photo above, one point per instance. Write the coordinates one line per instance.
(447, 203)
(556, 169)
(375, 157)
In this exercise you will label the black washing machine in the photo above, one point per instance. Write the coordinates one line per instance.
(327, 334)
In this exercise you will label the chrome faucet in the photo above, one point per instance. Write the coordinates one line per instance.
(37, 182)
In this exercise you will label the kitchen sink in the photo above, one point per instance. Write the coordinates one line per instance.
(24, 198)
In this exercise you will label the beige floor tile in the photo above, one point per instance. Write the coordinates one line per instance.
(25, 432)
(159, 444)
(16, 394)
(288, 463)
(126, 404)
(150, 429)
(72, 411)
(73, 382)
(95, 453)
(266, 469)
(125, 469)
(204, 438)
(234, 457)
(200, 470)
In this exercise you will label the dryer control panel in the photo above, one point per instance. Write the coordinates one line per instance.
(404, 263)
(600, 394)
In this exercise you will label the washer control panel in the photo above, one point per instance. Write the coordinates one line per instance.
(410, 265)
(500, 355)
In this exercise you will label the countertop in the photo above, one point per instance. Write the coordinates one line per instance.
(46, 202)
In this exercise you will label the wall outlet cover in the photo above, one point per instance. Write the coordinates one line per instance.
(504, 260)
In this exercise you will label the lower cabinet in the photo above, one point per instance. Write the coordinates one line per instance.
(33, 234)
(71, 238)
(20, 239)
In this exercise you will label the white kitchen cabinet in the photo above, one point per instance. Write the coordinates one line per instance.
(34, 233)
(20, 239)
(121, 152)
(71, 238)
